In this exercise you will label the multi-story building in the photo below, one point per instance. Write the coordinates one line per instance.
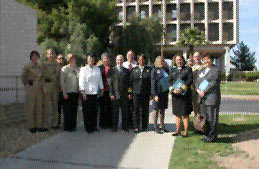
(217, 18)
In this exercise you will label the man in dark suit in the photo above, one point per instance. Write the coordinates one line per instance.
(105, 100)
(209, 97)
(120, 92)
(130, 64)
(141, 80)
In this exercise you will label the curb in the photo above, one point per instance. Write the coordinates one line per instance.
(240, 97)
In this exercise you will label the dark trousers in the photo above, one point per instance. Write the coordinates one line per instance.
(60, 106)
(70, 111)
(116, 105)
(90, 113)
(105, 111)
(211, 114)
(141, 107)
(130, 113)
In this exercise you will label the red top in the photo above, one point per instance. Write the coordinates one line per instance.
(106, 69)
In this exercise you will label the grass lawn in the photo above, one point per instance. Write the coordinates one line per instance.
(192, 153)
(239, 88)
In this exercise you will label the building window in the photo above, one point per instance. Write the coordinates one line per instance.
(171, 12)
(120, 14)
(213, 32)
(157, 11)
(213, 11)
(130, 10)
(184, 26)
(227, 10)
(143, 14)
(171, 33)
(200, 26)
(129, 1)
(185, 13)
(227, 32)
(199, 11)
(143, 0)
(144, 11)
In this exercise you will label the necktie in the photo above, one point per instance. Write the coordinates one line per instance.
(130, 66)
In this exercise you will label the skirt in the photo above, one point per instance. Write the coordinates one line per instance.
(162, 102)
(182, 105)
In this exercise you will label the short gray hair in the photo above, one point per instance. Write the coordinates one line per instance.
(104, 54)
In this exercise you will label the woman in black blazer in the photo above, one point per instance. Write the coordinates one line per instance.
(160, 97)
(141, 86)
(181, 98)
(105, 101)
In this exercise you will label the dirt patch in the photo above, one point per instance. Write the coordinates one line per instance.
(16, 138)
(248, 143)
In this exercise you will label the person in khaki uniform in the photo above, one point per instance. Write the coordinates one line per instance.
(32, 80)
(50, 89)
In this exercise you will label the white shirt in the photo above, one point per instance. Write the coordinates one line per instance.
(202, 74)
(126, 64)
(141, 68)
(90, 80)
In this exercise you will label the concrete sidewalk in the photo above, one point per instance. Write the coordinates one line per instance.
(104, 149)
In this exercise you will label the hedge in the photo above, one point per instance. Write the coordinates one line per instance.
(241, 76)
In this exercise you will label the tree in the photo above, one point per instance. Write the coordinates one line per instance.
(243, 59)
(191, 37)
(92, 19)
(141, 36)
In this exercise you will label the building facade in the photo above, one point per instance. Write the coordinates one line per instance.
(18, 37)
(217, 18)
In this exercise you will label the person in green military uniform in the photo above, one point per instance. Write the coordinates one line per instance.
(50, 75)
(32, 80)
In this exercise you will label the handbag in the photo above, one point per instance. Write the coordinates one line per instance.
(199, 123)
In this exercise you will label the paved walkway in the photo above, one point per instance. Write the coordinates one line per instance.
(104, 149)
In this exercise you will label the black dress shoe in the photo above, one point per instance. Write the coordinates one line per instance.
(158, 131)
(207, 140)
(33, 130)
(175, 134)
(144, 129)
(42, 129)
(184, 135)
(126, 130)
(90, 131)
(164, 130)
(55, 127)
(114, 129)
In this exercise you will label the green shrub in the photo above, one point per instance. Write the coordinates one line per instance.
(244, 76)
(251, 76)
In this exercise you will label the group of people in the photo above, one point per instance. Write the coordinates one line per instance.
(127, 87)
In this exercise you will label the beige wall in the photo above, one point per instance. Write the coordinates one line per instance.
(18, 25)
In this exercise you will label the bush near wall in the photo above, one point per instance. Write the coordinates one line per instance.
(248, 76)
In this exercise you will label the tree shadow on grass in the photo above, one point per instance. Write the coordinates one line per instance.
(232, 133)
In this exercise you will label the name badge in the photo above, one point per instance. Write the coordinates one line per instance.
(158, 71)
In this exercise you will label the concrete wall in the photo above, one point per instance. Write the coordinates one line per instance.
(18, 28)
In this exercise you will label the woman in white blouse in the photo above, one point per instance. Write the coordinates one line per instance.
(90, 83)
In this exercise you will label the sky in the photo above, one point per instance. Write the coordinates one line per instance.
(249, 25)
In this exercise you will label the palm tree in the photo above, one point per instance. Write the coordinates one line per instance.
(191, 37)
